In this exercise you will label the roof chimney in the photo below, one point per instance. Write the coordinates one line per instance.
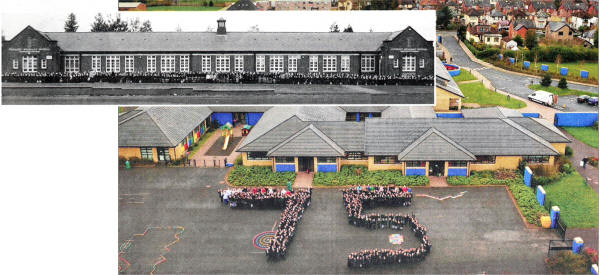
(221, 26)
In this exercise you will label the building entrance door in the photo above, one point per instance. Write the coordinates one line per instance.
(306, 163)
(437, 168)
(163, 154)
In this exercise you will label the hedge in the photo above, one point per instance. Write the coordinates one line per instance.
(259, 176)
(349, 176)
(544, 53)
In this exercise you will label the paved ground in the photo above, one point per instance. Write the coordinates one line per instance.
(580, 151)
(512, 83)
(204, 158)
(217, 147)
(438, 181)
(75, 93)
(304, 180)
(478, 232)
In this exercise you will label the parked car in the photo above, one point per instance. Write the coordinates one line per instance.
(583, 98)
(593, 101)
(543, 97)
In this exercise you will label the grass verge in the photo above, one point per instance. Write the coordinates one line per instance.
(464, 76)
(560, 92)
(577, 201)
(587, 135)
(477, 93)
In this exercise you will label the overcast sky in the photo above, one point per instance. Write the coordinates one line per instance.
(48, 15)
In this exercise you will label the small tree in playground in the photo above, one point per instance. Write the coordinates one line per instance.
(546, 80)
(562, 83)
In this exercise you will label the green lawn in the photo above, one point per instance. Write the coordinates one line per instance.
(577, 201)
(574, 68)
(183, 8)
(560, 92)
(464, 76)
(201, 142)
(587, 135)
(477, 93)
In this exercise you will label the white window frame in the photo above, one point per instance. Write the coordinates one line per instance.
(71, 64)
(29, 64)
(260, 63)
(313, 64)
(129, 64)
(396, 63)
(329, 64)
(293, 63)
(422, 63)
(345, 63)
(367, 63)
(276, 64)
(96, 64)
(15, 64)
(151, 63)
(409, 63)
(113, 64)
(238, 63)
(167, 64)
(43, 64)
(184, 63)
(222, 63)
(206, 64)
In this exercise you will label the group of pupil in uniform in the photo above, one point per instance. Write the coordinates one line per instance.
(294, 203)
(357, 199)
(221, 77)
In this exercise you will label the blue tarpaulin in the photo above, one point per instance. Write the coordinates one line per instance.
(415, 172)
(536, 115)
(253, 118)
(564, 71)
(327, 168)
(285, 167)
(223, 118)
(457, 172)
(526, 64)
(450, 115)
(575, 119)
(585, 74)
(544, 68)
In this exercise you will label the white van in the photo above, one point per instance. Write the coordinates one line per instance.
(543, 97)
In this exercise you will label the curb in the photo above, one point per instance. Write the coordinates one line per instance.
(488, 65)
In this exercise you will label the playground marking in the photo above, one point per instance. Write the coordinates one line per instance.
(124, 248)
(444, 198)
(263, 240)
(274, 224)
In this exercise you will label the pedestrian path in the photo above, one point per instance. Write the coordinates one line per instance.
(203, 160)
(580, 151)
(438, 182)
(304, 180)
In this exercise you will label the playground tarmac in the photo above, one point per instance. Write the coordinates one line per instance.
(478, 232)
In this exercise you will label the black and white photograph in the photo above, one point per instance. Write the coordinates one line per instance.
(222, 58)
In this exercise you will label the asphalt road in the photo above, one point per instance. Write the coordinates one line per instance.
(513, 83)
(480, 232)
(205, 93)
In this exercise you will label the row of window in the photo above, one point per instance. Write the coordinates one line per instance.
(30, 64)
(409, 63)
(162, 153)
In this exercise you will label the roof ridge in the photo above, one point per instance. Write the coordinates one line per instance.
(160, 127)
(427, 134)
(557, 131)
(272, 128)
(315, 130)
(133, 116)
(529, 133)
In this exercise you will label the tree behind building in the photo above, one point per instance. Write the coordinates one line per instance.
(71, 23)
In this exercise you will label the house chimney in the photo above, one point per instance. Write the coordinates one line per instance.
(221, 26)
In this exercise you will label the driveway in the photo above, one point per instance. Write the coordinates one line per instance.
(512, 83)
(478, 232)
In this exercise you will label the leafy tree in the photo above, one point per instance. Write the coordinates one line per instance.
(348, 29)
(146, 26)
(596, 39)
(531, 39)
(71, 23)
(562, 83)
(118, 24)
(546, 80)
(461, 32)
(99, 24)
(210, 4)
(443, 17)
(557, 4)
(334, 27)
(519, 40)
(134, 25)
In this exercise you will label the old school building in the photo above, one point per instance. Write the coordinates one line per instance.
(403, 52)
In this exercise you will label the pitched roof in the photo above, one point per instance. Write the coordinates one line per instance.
(434, 145)
(474, 12)
(496, 13)
(479, 136)
(211, 42)
(519, 23)
(556, 26)
(160, 126)
(246, 5)
(542, 128)
(408, 112)
(444, 80)
(309, 141)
